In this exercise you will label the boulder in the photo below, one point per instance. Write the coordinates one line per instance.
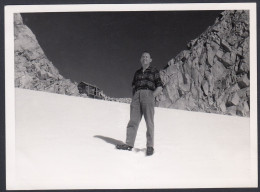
(233, 99)
(234, 88)
(210, 79)
(195, 92)
(203, 59)
(243, 67)
(222, 107)
(232, 39)
(243, 81)
(184, 82)
(225, 45)
(218, 70)
(173, 93)
(210, 56)
(171, 62)
(243, 109)
(205, 87)
(242, 93)
(231, 110)
(219, 54)
(215, 46)
(25, 81)
(226, 60)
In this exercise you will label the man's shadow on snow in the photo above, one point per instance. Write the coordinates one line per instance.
(109, 140)
(116, 142)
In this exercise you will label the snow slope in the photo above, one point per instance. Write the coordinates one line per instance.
(65, 142)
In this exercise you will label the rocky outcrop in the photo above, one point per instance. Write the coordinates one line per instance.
(33, 70)
(213, 74)
(121, 100)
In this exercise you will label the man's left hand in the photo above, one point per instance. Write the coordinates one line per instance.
(157, 91)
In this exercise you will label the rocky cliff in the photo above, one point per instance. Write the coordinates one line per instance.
(213, 74)
(33, 70)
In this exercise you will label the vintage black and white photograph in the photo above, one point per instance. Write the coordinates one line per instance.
(131, 96)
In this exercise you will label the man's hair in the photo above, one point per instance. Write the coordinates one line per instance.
(147, 52)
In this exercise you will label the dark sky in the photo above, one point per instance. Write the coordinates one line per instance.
(104, 48)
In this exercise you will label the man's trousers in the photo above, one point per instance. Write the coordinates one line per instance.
(142, 104)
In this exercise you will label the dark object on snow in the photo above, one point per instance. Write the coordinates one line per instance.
(90, 90)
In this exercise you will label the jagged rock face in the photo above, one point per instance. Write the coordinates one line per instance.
(213, 74)
(33, 70)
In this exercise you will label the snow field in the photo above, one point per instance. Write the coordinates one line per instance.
(65, 142)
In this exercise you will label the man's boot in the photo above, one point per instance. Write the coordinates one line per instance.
(149, 151)
(124, 147)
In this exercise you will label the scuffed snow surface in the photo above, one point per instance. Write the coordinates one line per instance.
(65, 142)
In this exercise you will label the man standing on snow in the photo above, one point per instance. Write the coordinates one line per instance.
(146, 86)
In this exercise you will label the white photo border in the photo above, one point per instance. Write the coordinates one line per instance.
(9, 62)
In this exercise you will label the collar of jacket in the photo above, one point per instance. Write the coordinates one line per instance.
(148, 69)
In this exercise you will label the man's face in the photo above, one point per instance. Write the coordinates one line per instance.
(146, 59)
